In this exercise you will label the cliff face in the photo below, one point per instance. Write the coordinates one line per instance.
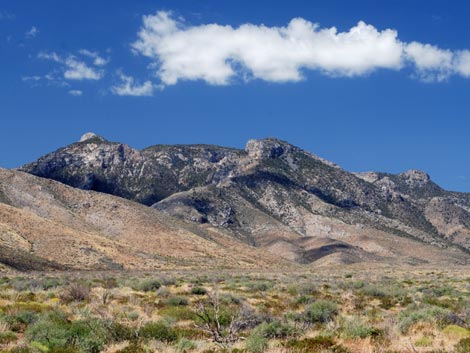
(274, 195)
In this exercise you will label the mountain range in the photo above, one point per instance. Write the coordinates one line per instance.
(100, 205)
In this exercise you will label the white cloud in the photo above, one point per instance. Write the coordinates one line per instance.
(278, 54)
(33, 32)
(462, 63)
(217, 54)
(78, 70)
(75, 92)
(31, 78)
(431, 62)
(49, 56)
(128, 87)
(436, 64)
(73, 69)
(98, 60)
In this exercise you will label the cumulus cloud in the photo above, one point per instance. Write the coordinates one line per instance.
(128, 87)
(462, 62)
(73, 68)
(210, 52)
(436, 64)
(431, 62)
(78, 70)
(218, 54)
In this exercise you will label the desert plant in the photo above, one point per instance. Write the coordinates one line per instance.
(54, 331)
(75, 292)
(276, 329)
(463, 346)
(256, 342)
(133, 347)
(176, 301)
(222, 322)
(149, 285)
(184, 345)
(414, 314)
(355, 327)
(198, 291)
(160, 331)
(320, 311)
(7, 337)
(314, 344)
(19, 349)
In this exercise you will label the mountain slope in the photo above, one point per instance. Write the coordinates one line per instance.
(68, 228)
(275, 196)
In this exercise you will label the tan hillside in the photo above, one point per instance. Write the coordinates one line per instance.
(75, 229)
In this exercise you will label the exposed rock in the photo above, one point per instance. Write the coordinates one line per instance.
(269, 192)
(90, 136)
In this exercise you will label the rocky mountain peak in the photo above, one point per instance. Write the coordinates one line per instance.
(415, 178)
(91, 136)
(267, 148)
(272, 190)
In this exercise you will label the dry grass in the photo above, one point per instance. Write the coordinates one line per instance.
(336, 310)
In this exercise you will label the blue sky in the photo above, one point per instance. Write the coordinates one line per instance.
(389, 94)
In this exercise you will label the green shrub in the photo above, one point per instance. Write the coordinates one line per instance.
(303, 299)
(455, 331)
(176, 301)
(158, 331)
(315, 344)
(275, 329)
(256, 342)
(198, 291)
(27, 306)
(259, 286)
(118, 332)
(89, 335)
(415, 314)
(357, 328)
(463, 346)
(184, 345)
(54, 331)
(179, 313)
(320, 311)
(424, 341)
(149, 285)
(133, 347)
(50, 331)
(50, 282)
(20, 320)
(374, 291)
(7, 337)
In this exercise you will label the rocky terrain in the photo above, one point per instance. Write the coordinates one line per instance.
(271, 204)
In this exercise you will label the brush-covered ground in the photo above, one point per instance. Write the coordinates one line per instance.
(336, 310)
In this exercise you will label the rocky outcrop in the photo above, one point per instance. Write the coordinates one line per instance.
(271, 192)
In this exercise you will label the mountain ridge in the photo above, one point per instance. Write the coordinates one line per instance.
(274, 196)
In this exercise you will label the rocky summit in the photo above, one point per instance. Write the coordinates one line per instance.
(271, 204)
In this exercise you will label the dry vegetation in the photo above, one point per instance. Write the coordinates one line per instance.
(345, 310)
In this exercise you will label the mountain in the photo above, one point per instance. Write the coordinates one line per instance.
(46, 225)
(286, 205)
